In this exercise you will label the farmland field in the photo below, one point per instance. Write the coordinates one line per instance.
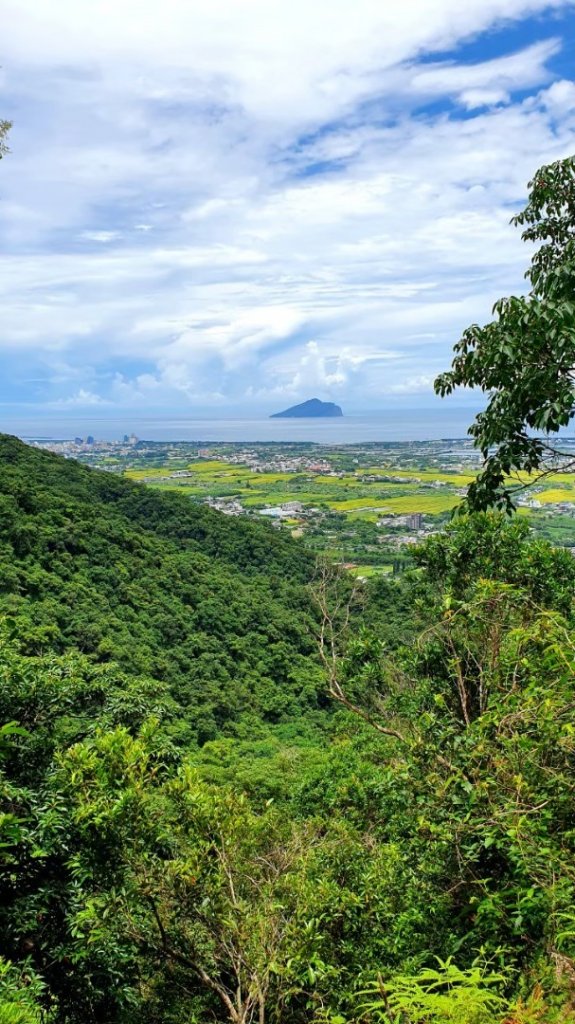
(555, 495)
(357, 504)
(426, 503)
(350, 494)
(209, 467)
(395, 490)
(425, 475)
(370, 570)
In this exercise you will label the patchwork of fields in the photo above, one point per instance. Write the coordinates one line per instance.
(350, 493)
(366, 493)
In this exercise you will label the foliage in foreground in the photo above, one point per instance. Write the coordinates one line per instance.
(523, 360)
(132, 889)
(439, 995)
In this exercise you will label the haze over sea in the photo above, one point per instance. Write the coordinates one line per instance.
(395, 425)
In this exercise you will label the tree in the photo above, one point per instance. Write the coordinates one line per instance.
(525, 358)
(185, 904)
(490, 546)
(479, 743)
(5, 127)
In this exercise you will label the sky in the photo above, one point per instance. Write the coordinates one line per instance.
(241, 204)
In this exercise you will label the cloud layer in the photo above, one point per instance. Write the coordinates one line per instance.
(239, 202)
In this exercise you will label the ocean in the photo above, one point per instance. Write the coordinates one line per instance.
(392, 425)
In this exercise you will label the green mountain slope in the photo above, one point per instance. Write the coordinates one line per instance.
(214, 611)
(424, 842)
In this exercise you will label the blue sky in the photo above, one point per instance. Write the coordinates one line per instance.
(215, 204)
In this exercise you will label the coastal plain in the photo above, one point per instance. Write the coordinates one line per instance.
(360, 505)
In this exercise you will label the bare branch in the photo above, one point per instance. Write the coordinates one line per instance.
(329, 652)
(173, 954)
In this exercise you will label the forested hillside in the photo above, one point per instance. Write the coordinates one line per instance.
(209, 615)
(192, 831)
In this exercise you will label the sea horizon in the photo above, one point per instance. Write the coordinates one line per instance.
(391, 425)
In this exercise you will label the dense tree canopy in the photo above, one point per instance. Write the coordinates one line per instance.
(524, 359)
(187, 838)
(169, 597)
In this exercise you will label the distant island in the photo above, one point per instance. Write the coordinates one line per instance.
(312, 409)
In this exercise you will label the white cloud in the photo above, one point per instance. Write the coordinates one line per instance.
(185, 134)
(473, 98)
(517, 71)
(560, 98)
(101, 236)
(414, 385)
(82, 399)
(270, 57)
